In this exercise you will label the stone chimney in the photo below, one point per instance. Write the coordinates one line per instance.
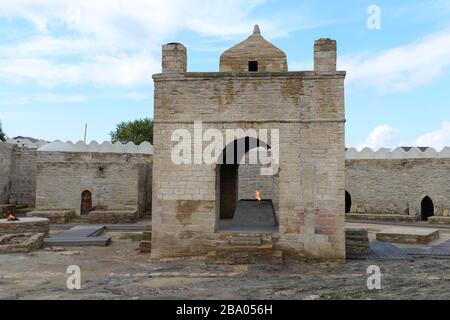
(325, 56)
(174, 58)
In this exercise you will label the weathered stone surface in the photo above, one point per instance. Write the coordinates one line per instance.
(307, 109)
(24, 225)
(398, 186)
(21, 242)
(23, 177)
(174, 58)
(54, 216)
(113, 216)
(380, 217)
(439, 220)
(254, 48)
(117, 181)
(408, 235)
(145, 246)
(356, 241)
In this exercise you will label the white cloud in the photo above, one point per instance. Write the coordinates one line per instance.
(43, 97)
(437, 139)
(101, 70)
(78, 41)
(109, 42)
(382, 136)
(385, 136)
(402, 68)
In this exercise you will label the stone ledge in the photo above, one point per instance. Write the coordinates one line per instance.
(380, 217)
(113, 216)
(237, 75)
(24, 225)
(439, 220)
(21, 242)
(59, 216)
(356, 241)
(408, 235)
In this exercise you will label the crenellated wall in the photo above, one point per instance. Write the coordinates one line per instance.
(396, 182)
(116, 181)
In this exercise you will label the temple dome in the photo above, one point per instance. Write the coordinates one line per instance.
(253, 54)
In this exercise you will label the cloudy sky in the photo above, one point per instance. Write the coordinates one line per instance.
(64, 63)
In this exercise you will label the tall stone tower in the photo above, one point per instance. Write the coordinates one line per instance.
(252, 90)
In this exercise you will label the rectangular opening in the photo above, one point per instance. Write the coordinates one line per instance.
(253, 66)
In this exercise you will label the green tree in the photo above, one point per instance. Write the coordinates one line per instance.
(135, 131)
(2, 134)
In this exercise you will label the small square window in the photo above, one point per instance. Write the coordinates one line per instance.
(253, 66)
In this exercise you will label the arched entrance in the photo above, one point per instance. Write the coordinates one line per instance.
(348, 202)
(236, 213)
(427, 209)
(86, 202)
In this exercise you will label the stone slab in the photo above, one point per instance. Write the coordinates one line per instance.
(382, 251)
(78, 242)
(21, 242)
(24, 225)
(408, 235)
(113, 216)
(251, 213)
(54, 216)
(439, 220)
(81, 232)
(380, 217)
(356, 241)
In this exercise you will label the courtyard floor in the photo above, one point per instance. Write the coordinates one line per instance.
(121, 272)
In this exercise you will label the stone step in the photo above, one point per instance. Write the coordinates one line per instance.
(244, 257)
(277, 257)
(245, 241)
(145, 246)
(79, 221)
(76, 242)
(262, 248)
(147, 235)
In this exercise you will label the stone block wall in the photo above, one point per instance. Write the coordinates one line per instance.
(174, 58)
(397, 186)
(112, 178)
(23, 178)
(308, 111)
(6, 162)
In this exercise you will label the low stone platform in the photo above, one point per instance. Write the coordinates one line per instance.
(380, 217)
(439, 220)
(79, 236)
(145, 246)
(408, 235)
(246, 249)
(54, 216)
(77, 242)
(356, 242)
(113, 216)
(21, 242)
(24, 225)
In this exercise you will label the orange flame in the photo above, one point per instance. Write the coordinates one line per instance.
(10, 217)
(258, 195)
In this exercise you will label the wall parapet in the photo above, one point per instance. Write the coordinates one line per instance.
(105, 147)
(397, 153)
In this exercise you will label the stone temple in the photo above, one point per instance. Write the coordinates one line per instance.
(252, 90)
(217, 208)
